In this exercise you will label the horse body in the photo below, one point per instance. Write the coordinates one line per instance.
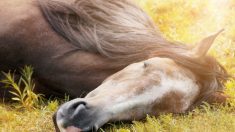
(27, 39)
(75, 45)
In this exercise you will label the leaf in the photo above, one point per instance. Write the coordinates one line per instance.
(16, 99)
(14, 93)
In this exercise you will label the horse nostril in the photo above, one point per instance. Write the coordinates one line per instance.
(77, 104)
(76, 108)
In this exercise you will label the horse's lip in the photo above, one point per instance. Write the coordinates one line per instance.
(73, 129)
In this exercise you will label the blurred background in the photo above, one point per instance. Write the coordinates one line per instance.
(189, 21)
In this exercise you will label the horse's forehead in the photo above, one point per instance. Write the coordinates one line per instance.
(161, 62)
(147, 68)
(143, 75)
(169, 67)
(164, 65)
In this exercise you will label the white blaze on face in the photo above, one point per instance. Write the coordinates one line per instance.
(125, 103)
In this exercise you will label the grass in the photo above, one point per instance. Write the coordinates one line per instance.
(13, 120)
(22, 90)
(219, 119)
(183, 20)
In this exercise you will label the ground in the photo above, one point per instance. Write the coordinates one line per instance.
(186, 21)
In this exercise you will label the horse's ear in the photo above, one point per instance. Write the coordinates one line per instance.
(204, 45)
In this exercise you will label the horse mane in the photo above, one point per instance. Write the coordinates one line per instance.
(120, 30)
(116, 29)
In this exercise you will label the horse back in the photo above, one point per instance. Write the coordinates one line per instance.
(15, 12)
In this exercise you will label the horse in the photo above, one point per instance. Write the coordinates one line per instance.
(76, 46)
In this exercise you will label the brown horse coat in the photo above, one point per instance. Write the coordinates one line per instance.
(74, 45)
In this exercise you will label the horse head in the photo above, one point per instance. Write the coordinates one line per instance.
(153, 86)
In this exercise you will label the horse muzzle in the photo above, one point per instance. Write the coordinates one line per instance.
(78, 116)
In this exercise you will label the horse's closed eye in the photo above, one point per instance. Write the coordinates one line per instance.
(145, 64)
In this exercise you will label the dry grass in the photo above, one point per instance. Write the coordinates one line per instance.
(13, 120)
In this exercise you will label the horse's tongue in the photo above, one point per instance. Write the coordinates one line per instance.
(73, 129)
